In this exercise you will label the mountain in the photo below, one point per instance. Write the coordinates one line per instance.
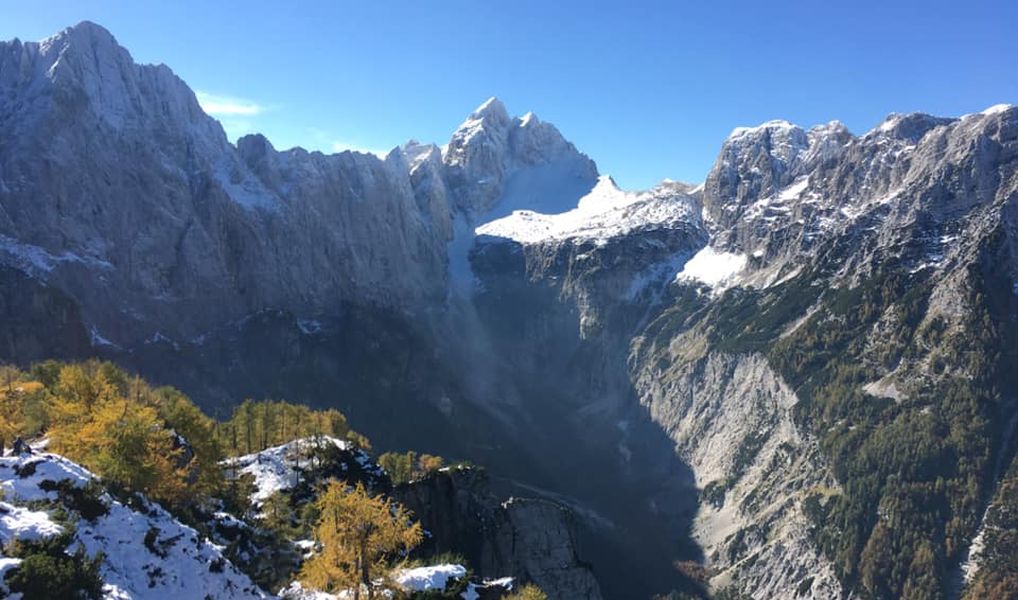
(792, 380)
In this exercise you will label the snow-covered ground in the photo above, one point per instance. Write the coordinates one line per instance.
(711, 267)
(435, 577)
(280, 467)
(417, 579)
(176, 563)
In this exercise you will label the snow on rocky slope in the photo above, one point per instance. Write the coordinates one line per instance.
(146, 552)
(604, 213)
(932, 197)
(281, 468)
(433, 579)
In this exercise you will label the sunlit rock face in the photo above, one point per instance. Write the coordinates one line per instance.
(117, 188)
(496, 298)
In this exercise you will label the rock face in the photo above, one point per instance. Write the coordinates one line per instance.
(118, 189)
(730, 416)
(39, 321)
(495, 160)
(529, 539)
(776, 373)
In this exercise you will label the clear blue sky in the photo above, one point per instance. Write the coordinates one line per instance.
(649, 90)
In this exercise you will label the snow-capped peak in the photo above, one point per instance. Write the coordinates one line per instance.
(490, 107)
(996, 109)
(83, 32)
(604, 213)
(773, 125)
(889, 123)
(417, 153)
(490, 121)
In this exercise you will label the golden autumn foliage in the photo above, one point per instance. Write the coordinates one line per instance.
(409, 466)
(137, 438)
(255, 426)
(119, 428)
(528, 592)
(150, 440)
(360, 539)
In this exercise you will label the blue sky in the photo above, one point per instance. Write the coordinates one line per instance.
(648, 89)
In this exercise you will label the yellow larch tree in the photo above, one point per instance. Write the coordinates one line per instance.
(360, 537)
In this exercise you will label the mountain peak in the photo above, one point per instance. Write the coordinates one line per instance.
(768, 127)
(909, 127)
(89, 28)
(85, 34)
(492, 107)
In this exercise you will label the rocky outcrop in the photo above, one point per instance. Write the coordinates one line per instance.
(530, 539)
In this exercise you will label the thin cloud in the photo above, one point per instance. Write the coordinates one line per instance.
(217, 105)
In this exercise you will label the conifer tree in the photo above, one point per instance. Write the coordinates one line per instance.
(360, 538)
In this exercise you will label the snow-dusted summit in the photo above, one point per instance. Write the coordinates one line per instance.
(604, 213)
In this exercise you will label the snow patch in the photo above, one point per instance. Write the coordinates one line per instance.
(36, 259)
(793, 191)
(97, 339)
(606, 212)
(309, 326)
(278, 468)
(889, 123)
(712, 267)
(17, 522)
(996, 109)
(421, 579)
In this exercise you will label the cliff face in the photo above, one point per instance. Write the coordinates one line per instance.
(772, 373)
(118, 189)
(731, 418)
(39, 321)
(528, 539)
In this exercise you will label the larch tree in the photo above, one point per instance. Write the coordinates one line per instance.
(360, 537)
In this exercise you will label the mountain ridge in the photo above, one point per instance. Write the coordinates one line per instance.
(500, 289)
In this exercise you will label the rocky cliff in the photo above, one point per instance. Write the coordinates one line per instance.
(528, 539)
(795, 374)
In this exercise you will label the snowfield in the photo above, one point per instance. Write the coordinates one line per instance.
(716, 269)
(420, 579)
(604, 213)
(279, 468)
(175, 563)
